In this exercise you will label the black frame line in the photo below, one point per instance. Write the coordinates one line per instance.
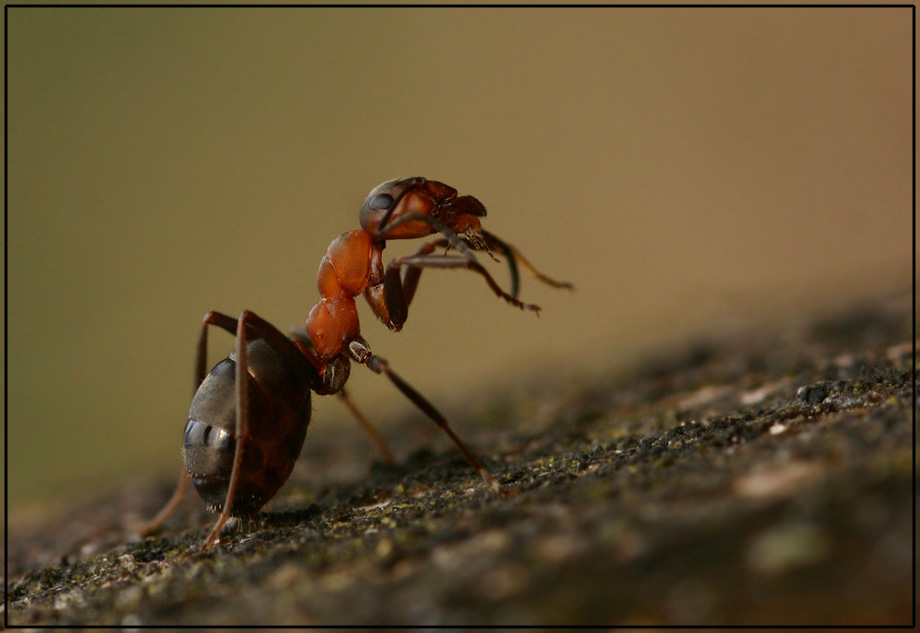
(6, 15)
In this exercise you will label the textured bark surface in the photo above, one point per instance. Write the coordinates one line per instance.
(760, 479)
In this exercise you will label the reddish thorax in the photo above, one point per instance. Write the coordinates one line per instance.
(343, 274)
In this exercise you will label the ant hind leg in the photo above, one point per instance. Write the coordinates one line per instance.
(154, 524)
(224, 322)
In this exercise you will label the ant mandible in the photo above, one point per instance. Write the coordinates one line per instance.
(244, 435)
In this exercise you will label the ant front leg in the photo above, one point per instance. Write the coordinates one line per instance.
(393, 283)
(394, 292)
(514, 257)
(491, 244)
(390, 298)
(481, 240)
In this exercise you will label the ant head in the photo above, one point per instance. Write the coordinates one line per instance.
(389, 203)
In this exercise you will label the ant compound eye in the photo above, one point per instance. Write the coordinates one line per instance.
(378, 206)
(381, 202)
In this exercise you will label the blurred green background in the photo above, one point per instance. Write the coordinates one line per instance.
(691, 170)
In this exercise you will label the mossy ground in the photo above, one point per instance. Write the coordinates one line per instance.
(761, 479)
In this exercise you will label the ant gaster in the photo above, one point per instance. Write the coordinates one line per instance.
(249, 415)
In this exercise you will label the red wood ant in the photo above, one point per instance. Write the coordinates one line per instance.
(249, 415)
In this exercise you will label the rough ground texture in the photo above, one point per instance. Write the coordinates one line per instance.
(761, 479)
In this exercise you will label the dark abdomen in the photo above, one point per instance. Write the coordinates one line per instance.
(279, 412)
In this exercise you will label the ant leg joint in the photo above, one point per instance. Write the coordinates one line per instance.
(335, 374)
(359, 349)
(377, 365)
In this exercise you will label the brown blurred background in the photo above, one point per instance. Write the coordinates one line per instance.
(691, 170)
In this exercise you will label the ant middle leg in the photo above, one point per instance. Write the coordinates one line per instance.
(302, 340)
(359, 350)
(381, 443)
